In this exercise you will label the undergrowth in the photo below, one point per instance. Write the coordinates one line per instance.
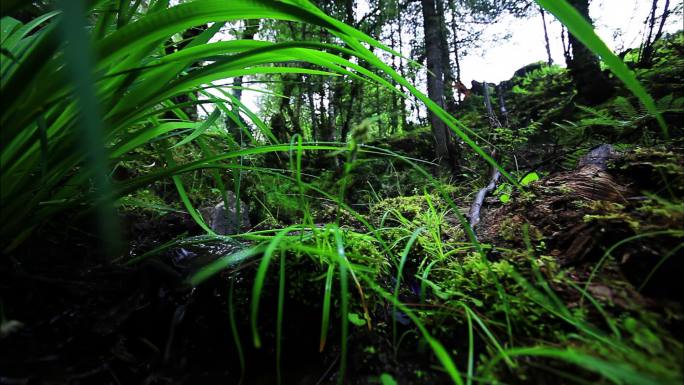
(403, 263)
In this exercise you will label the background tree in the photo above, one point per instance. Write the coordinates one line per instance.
(593, 86)
(646, 53)
(432, 22)
(546, 37)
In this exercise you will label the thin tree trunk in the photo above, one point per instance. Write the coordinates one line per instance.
(546, 37)
(651, 24)
(663, 18)
(346, 109)
(312, 110)
(646, 54)
(449, 100)
(454, 38)
(327, 128)
(394, 121)
(566, 46)
(247, 34)
(402, 102)
(502, 106)
(493, 121)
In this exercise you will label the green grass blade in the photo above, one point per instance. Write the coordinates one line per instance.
(224, 262)
(80, 65)
(344, 303)
(261, 277)
(200, 129)
(184, 196)
(234, 330)
(471, 349)
(616, 372)
(279, 317)
(397, 285)
(437, 348)
(327, 294)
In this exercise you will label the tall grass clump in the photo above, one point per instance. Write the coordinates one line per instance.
(84, 95)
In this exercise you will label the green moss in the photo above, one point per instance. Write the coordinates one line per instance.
(406, 207)
(366, 250)
(401, 216)
(147, 202)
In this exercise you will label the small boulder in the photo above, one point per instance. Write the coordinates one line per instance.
(599, 157)
(225, 221)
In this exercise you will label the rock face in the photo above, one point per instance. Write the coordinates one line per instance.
(225, 220)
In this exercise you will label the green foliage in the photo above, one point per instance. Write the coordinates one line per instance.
(535, 102)
(504, 189)
(140, 76)
(146, 201)
(510, 139)
(356, 319)
(387, 379)
(535, 81)
(273, 197)
(138, 82)
(583, 31)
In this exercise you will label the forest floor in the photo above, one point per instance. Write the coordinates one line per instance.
(581, 267)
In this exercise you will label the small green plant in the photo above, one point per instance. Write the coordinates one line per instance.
(504, 190)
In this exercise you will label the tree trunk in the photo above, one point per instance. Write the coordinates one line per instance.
(435, 83)
(247, 34)
(345, 107)
(326, 123)
(394, 98)
(449, 99)
(493, 121)
(502, 106)
(401, 101)
(312, 109)
(592, 85)
(646, 54)
(566, 46)
(546, 37)
(454, 37)
(284, 122)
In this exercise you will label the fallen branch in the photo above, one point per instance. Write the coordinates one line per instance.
(474, 213)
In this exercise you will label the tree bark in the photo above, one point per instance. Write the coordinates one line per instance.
(546, 37)
(592, 85)
(566, 46)
(435, 82)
